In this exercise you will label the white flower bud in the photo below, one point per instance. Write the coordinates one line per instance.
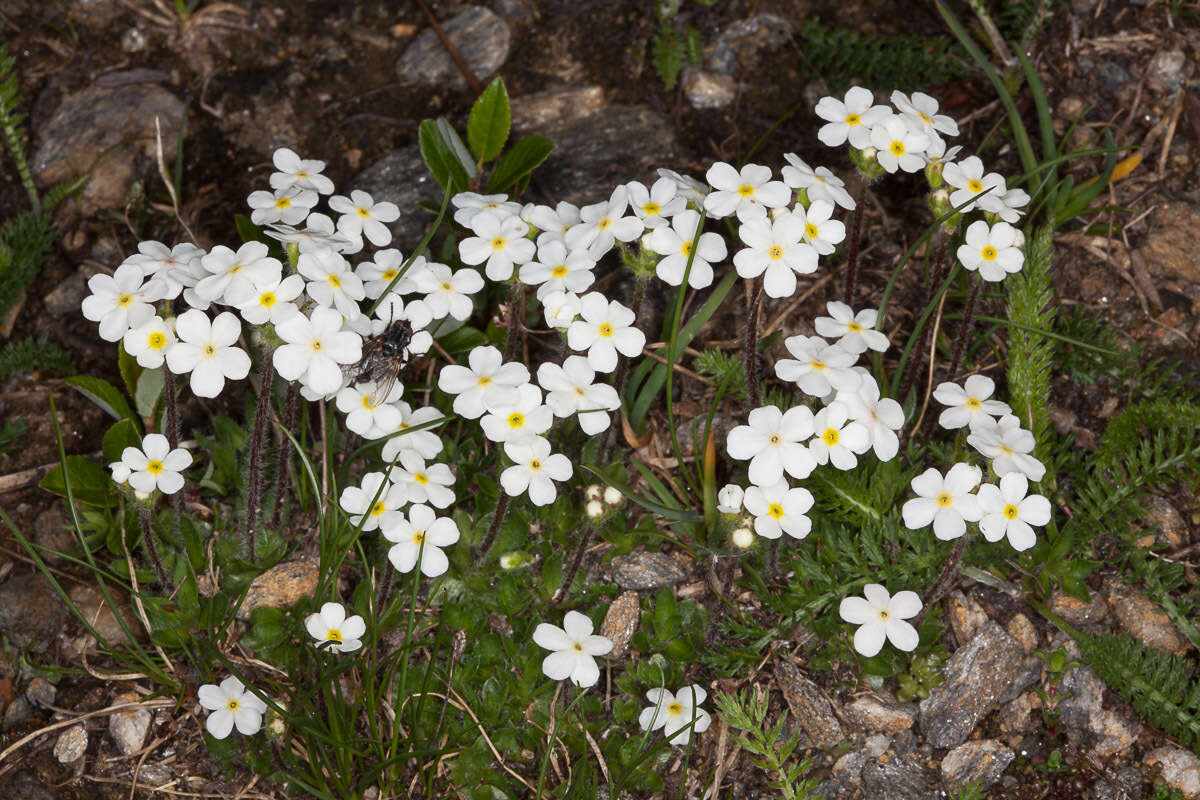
(613, 496)
(729, 499)
(515, 560)
(742, 538)
(592, 492)
(561, 308)
(1018, 238)
(594, 509)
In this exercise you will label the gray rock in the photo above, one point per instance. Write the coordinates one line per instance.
(1143, 619)
(620, 623)
(531, 111)
(41, 692)
(100, 616)
(708, 89)
(872, 714)
(71, 744)
(739, 45)
(401, 177)
(966, 616)
(1018, 715)
(481, 37)
(1166, 70)
(1090, 615)
(17, 712)
(1029, 674)
(810, 708)
(27, 787)
(980, 761)
(1021, 629)
(1178, 769)
(1172, 530)
(1172, 240)
(67, 297)
(31, 613)
(976, 675)
(1088, 723)
(88, 123)
(50, 531)
(642, 570)
(128, 728)
(282, 586)
(892, 777)
(1127, 786)
(154, 775)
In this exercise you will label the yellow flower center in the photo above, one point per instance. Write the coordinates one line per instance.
(604, 224)
(446, 287)
(775, 252)
(300, 174)
(650, 209)
(675, 709)
(606, 330)
(484, 380)
(363, 212)
(235, 269)
(378, 509)
(944, 500)
(317, 345)
(535, 465)
(209, 350)
(746, 190)
(775, 510)
(973, 403)
(897, 148)
(818, 365)
(421, 478)
(830, 436)
(367, 404)
(854, 327)
(283, 202)
(499, 243)
(989, 253)
(333, 635)
(686, 249)
(124, 300)
(925, 117)
(884, 615)
(157, 340)
(335, 281)
(577, 647)
(154, 467)
(853, 119)
(418, 537)
(774, 438)
(1008, 451)
(516, 420)
(1010, 511)
(810, 230)
(974, 186)
(233, 704)
(267, 299)
(560, 271)
(389, 274)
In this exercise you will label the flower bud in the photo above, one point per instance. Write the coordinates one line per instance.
(594, 509)
(515, 560)
(561, 308)
(729, 499)
(613, 496)
(742, 538)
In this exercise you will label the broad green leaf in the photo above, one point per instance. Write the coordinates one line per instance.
(123, 433)
(90, 482)
(487, 128)
(103, 394)
(149, 391)
(445, 154)
(251, 232)
(521, 159)
(130, 369)
(462, 340)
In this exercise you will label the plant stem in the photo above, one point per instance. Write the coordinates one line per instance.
(936, 273)
(291, 409)
(610, 436)
(944, 580)
(965, 329)
(172, 409)
(516, 319)
(257, 447)
(494, 528)
(152, 550)
(852, 250)
(575, 562)
(750, 347)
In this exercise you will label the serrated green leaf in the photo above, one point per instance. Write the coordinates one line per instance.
(103, 394)
(488, 126)
(90, 482)
(521, 159)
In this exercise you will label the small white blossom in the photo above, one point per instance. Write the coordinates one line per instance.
(149, 342)
(499, 243)
(836, 440)
(271, 302)
(678, 715)
(969, 181)
(775, 247)
(154, 466)
(468, 204)
(748, 192)
(121, 301)
(820, 229)
(898, 146)
(779, 509)
(424, 484)
(447, 293)
(231, 704)
(170, 268)
(1008, 510)
(674, 243)
(655, 206)
(947, 501)
(880, 616)
(572, 390)
(315, 350)
(850, 119)
(534, 470)
(377, 274)
(237, 274)
(818, 367)
(1009, 446)
(367, 503)
(369, 416)
(774, 442)
(206, 348)
(920, 111)
(855, 333)
(729, 499)
(1007, 205)
(333, 630)
(561, 309)
(552, 222)
(362, 216)
(420, 535)
(574, 648)
(424, 441)
(992, 251)
(819, 183)
(289, 205)
(968, 404)
(487, 382)
(882, 417)
(602, 225)
(301, 172)
(318, 233)
(606, 328)
(524, 416)
(331, 283)
(558, 269)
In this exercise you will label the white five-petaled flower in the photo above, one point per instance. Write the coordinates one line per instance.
(271, 302)
(318, 233)
(779, 509)
(601, 225)
(362, 216)
(881, 615)
(655, 206)
(820, 229)
(420, 535)
(171, 268)
(333, 630)
(331, 282)
(315, 350)
(969, 181)
(121, 301)
(449, 293)
(775, 247)
(524, 416)
(729, 499)
(534, 470)
(304, 173)
(486, 383)
(748, 192)
(421, 440)
(818, 367)
(836, 440)
(149, 342)
(679, 714)
(572, 390)
(774, 442)
(231, 704)
(937, 155)
(1008, 510)
(674, 243)
(819, 183)
(368, 415)
(499, 243)
(854, 332)
(574, 648)
(920, 111)
(367, 503)
(946, 502)
(1007, 205)
(155, 465)
(206, 348)
(561, 309)
(606, 328)
(468, 204)
(289, 205)
(377, 274)
(898, 146)
(558, 269)
(553, 223)
(850, 119)
(233, 274)
(968, 404)
(993, 251)
(424, 484)
(1009, 446)
(882, 417)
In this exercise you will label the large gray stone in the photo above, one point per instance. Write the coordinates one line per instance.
(981, 762)
(976, 675)
(481, 38)
(896, 777)
(31, 612)
(401, 177)
(810, 708)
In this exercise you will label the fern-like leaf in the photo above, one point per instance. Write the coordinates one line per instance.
(11, 124)
(669, 55)
(1031, 308)
(27, 355)
(885, 62)
(24, 242)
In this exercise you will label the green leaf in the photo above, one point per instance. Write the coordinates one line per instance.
(122, 434)
(130, 369)
(251, 232)
(149, 391)
(521, 159)
(90, 482)
(462, 340)
(487, 128)
(445, 154)
(103, 394)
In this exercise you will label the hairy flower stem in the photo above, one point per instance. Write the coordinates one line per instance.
(750, 347)
(852, 251)
(610, 436)
(965, 329)
(257, 447)
(584, 541)
(172, 408)
(516, 320)
(773, 558)
(936, 273)
(152, 551)
(291, 409)
(944, 580)
(494, 528)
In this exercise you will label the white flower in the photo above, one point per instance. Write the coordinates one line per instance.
(302, 172)
(534, 470)
(1007, 205)
(773, 442)
(898, 146)
(330, 281)
(552, 222)
(1007, 511)
(572, 389)
(819, 183)
(377, 275)
(819, 367)
(946, 502)
(487, 383)
(778, 509)
(289, 205)
(679, 715)
(775, 246)
(856, 332)
(155, 465)
(424, 442)
(231, 704)
(206, 349)
(837, 441)
(557, 269)
(237, 274)
(420, 535)
(120, 302)
(656, 205)
(937, 155)
(367, 503)
(468, 204)
(270, 302)
(574, 650)
(330, 626)
(692, 190)
(748, 192)
(367, 415)
(1009, 446)
(603, 224)
(850, 119)
(675, 243)
(920, 111)
(992, 251)
(315, 350)
(170, 268)
(318, 234)
(449, 294)
(606, 328)
(561, 309)
(424, 484)
(149, 342)
(968, 404)
(362, 216)
(880, 416)
(820, 229)
(729, 499)
(881, 615)
(967, 178)
(524, 416)
(499, 243)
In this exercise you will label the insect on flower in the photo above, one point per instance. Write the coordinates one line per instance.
(383, 359)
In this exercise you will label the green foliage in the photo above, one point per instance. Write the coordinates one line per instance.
(971, 790)
(749, 715)
(840, 55)
(1020, 20)
(672, 49)
(725, 369)
(28, 355)
(24, 242)
(1032, 306)
(488, 125)
(11, 124)
(10, 432)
